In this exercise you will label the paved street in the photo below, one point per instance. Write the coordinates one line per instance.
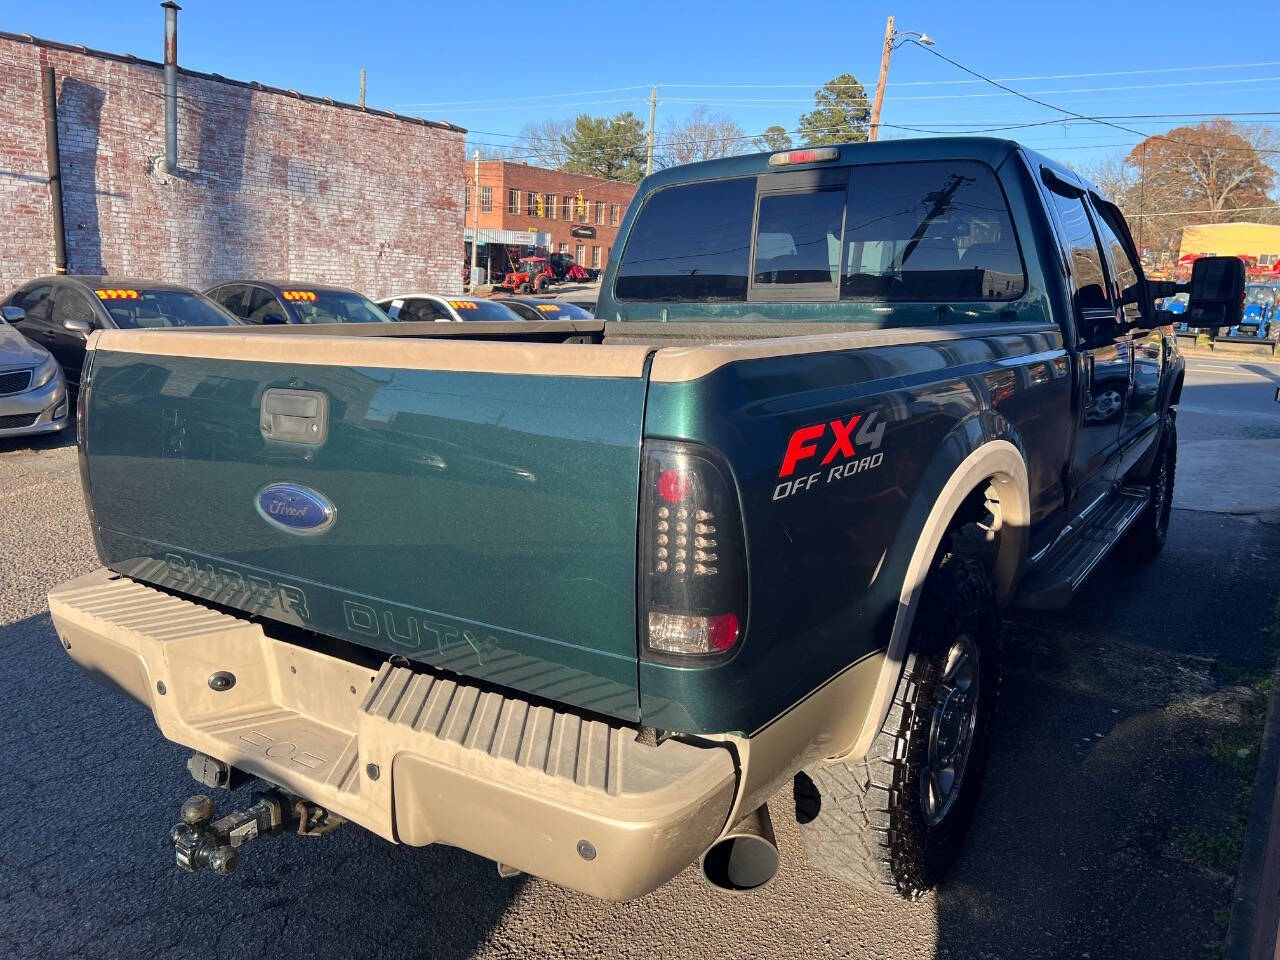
(1115, 777)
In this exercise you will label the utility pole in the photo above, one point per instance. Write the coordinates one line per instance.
(884, 76)
(362, 86)
(653, 111)
(475, 219)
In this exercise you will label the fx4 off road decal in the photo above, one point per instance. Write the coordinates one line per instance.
(839, 448)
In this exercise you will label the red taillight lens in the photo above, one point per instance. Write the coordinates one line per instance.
(674, 486)
(693, 590)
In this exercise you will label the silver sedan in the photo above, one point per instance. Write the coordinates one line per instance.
(33, 391)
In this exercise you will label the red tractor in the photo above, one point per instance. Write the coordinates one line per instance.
(531, 275)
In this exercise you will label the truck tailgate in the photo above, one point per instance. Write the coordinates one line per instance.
(470, 505)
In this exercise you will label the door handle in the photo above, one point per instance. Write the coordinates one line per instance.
(294, 416)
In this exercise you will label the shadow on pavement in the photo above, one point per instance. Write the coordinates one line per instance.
(90, 789)
(1111, 814)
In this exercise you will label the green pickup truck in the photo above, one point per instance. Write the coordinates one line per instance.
(582, 597)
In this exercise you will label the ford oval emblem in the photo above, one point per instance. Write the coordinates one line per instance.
(295, 508)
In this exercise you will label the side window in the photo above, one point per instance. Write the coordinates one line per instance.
(1086, 257)
(231, 296)
(71, 304)
(690, 243)
(37, 301)
(1126, 289)
(1095, 310)
(263, 307)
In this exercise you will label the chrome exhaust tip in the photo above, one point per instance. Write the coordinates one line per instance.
(745, 858)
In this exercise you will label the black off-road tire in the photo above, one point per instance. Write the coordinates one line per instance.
(1145, 538)
(540, 285)
(524, 289)
(864, 822)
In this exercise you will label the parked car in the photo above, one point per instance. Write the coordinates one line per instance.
(430, 306)
(33, 391)
(536, 308)
(585, 607)
(60, 312)
(257, 301)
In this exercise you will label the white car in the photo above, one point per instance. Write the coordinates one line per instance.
(432, 307)
(33, 391)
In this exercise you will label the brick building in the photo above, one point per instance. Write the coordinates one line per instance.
(269, 182)
(577, 214)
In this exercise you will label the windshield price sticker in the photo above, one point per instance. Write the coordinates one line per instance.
(298, 294)
(841, 448)
(548, 308)
(116, 294)
(463, 305)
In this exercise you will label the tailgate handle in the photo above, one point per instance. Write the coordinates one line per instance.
(295, 416)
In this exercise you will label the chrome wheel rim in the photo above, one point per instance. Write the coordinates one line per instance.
(1106, 405)
(953, 719)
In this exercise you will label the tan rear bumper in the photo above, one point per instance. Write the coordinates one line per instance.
(415, 757)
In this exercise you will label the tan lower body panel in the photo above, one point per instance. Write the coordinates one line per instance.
(414, 757)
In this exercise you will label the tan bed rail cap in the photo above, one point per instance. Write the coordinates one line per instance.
(396, 353)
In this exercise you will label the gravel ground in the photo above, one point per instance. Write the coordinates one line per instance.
(1107, 763)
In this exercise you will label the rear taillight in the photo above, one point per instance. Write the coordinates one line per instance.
(693, 570)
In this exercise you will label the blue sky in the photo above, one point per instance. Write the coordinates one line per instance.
(757, 62)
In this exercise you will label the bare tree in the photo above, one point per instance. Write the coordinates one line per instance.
(703, 136)
(544, 141)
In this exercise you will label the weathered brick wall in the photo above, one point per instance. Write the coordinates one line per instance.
(268, 185)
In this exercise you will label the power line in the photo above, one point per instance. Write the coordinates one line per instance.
(1072, 113)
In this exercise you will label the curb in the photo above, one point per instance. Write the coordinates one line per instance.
(1253, 932)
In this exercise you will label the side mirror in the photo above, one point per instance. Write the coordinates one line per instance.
(76, 325)
(1216, 292)
(14, 314)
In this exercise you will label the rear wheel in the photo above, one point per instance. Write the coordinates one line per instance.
(893, 821)
(523, 288)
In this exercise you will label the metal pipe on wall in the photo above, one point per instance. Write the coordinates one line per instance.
(55, 169)
(170, 85)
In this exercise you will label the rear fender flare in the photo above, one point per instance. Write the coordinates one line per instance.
(996, 460)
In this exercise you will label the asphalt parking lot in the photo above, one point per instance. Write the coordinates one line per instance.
(1105, 828)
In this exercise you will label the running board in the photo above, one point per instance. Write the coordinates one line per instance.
(1052, 585)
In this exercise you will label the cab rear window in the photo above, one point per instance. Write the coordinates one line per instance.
(928, 231)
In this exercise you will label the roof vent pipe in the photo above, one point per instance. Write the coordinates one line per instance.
(170, 86)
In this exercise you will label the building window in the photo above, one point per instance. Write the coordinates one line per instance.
(566, 208)
(562, 248)
(580, 253)
(584, 208)
(551, 205)
(613, 214)
(595, 258)
(466, 196)
(599, 211)
(486, 199)
(513, 201)
(1267, 259)
(531, 204)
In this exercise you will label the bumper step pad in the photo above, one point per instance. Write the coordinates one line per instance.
(417, 757)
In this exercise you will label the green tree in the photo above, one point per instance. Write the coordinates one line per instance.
(608, 147)
(774, 138)
(840, 113)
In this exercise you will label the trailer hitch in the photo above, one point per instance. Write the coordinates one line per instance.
(201, 842)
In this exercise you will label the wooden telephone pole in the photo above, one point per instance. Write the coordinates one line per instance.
(884, 76)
